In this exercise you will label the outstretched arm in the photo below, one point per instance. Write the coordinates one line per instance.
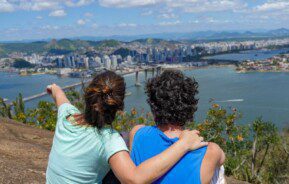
(153, 168)
(57, 94)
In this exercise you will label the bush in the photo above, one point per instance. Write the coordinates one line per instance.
(256, 152)
(44, 116)
(251, 150)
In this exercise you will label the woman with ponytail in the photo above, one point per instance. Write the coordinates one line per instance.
(84, 148)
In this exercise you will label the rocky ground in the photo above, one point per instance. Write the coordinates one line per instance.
(24, 153)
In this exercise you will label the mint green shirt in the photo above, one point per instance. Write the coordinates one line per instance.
(80, 154)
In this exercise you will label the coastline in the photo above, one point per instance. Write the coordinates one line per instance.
(263, 71)
(208, 67)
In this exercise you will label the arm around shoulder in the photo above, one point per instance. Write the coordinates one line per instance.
(153, 168)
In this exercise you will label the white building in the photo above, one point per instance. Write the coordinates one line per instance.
(107, 62)
(113, 62)
(97, 60)
(86, 62)
(64, 71)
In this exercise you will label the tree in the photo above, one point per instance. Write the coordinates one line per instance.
(19, 109)
(5, 109)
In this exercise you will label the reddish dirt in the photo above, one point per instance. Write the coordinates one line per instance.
(23, 153)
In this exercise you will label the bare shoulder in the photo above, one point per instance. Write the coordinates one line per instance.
(215, 152)
(132, 133)
(213, 159)
(213, 147)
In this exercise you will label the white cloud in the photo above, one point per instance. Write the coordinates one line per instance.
(127, 25)
(78, 3)
(127, 3)
(35, 5)
(94, 26)
(186, 5)
(49, 27)
(88, 14)
(5, 6)
(273, 5)
(39, 5)
(196, 6)
(169, 23)
(58, 13)
(194, 22)
(39, 17)
(81, 22)
(147, 13)
(168, 15)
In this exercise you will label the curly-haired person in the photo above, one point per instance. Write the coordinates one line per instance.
(173, 102)
(85, 147)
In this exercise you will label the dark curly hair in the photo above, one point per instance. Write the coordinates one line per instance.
(171, 97)
(104, 96)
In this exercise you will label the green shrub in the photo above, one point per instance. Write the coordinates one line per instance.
(256, 152)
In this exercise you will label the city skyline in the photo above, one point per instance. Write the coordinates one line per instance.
(43, 19)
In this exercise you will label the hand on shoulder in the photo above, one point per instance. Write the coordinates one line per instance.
(192, 139)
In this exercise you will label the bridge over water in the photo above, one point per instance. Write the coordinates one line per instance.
(155, 70)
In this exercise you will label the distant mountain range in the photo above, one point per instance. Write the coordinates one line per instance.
(192, 36)
(197, 36)
(63, 46)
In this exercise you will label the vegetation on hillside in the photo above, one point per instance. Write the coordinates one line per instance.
(54, 46)
(109, 43)
(257, 152)
(33, 47)
(21, 63)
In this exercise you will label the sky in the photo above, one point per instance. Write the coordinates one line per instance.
(42, 19)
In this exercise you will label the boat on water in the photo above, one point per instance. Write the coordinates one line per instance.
(233, 100)
(138, 84)
(128, 93)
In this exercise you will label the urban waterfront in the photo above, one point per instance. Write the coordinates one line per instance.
(254, 94)
(249, 55)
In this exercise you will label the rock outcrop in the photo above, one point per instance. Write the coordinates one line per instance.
(24, 153)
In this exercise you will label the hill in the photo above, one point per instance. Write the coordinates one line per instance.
(62, 46)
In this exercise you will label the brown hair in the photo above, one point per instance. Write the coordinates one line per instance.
(104, 96)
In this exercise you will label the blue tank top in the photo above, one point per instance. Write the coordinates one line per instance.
(149, 141)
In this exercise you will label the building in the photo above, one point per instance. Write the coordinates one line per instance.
(114, 63)
(64, 72)
(86, 62)
(107, 62)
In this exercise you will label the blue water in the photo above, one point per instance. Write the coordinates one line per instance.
(254, 94)
(249, 55)
(11, 84)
